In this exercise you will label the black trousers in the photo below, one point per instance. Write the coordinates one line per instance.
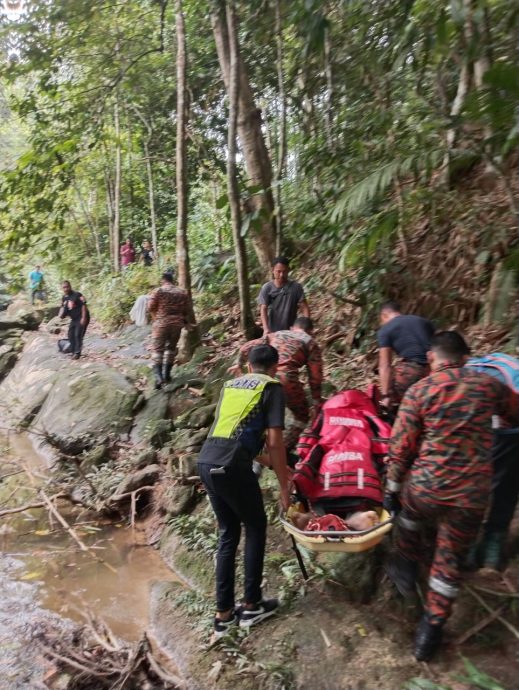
(236, 499)
(76, 333)
(505, 484)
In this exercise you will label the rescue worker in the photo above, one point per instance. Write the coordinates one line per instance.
(169, 309)
(489, 551)
(296, 349)
(73, 304)
(250, 411)
(408, 337)
(440, 468)
(280, 299)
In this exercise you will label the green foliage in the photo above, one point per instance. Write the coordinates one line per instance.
(197, 532)
(478, 680)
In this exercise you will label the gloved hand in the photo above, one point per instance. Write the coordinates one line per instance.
(392, 503)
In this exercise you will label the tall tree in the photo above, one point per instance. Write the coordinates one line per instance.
(255, 152)
(246, 319)
(184, 273)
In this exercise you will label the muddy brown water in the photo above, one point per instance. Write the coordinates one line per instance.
(44, 575)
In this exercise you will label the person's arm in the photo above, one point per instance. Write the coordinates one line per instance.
(243, 353)
(314, 366)
(385, 355)
(62, 311)
(153, 302)
(508, 406)
(278, 462)
(405, 442)
(304, 308)
(83, 319)
(264, 315)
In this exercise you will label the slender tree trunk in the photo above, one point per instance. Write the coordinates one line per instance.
(255, 152)
(329, 87)
(246, 320)
(110, 213)
(282, 138)
(188, 342)
(116, 230)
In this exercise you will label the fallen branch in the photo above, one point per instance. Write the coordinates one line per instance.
(488, 608)
(54, 511)
(480, 625)
(28, 506)
(346, 300)
(128, 494)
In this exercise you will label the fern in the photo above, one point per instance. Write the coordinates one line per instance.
(356, 199)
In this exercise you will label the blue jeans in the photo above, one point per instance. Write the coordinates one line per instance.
(236, 499)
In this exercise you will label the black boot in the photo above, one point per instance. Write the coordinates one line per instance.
(403, 573)
(157, 370)
(167, 373)
(428, 639)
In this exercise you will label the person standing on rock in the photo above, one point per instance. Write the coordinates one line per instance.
(250, 411)
(169, 309)
(296, 349)
(440, 473)
(280, 299)
(36, 283)
(408, 336)
(73, 304)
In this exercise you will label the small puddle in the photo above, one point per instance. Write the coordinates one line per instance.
(42, 568)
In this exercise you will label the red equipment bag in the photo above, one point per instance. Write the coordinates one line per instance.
(339, 456)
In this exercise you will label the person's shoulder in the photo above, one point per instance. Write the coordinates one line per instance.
(267, 286)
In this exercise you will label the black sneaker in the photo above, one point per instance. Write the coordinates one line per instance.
(76, 355)
(263, 609)
(428, 639)
(222, 628)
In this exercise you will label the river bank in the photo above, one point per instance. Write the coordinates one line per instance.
(125, 455)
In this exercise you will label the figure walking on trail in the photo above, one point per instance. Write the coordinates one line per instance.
(73, 304)
(250, 411)
(147, 255)
(296, 349)
(280, 299)
(127, 253)
(169, 309)
(36, 284)
(408, 337)
(440, 471)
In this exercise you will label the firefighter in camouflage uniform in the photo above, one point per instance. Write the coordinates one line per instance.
(169, 308)
(296, 349)
(440, 472)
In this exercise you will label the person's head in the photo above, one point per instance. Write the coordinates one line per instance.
(146, 244)
(303, 323)
(388, 311)
(167, 278)
(447, 347)
(263, 359)
(280, 268)
(128, 241)
(38, 267)
(67, 287)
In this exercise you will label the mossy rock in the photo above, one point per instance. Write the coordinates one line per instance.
(144, 458)
(147, 422)
(197, 418)
(158, 432)
(145, 477)
(94, 458)
(216, 379)
(194, 567)
(356, 572)
(183, 465)
(178, 499)
(184, 440)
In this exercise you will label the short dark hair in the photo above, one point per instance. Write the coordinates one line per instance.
(66, 282)
(450, 345)
(168, 276)
(263, 356)
(280, 260)
(390, 305)
(305, 323)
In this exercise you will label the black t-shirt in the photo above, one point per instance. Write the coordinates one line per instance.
(270, 414)
(73, 304)
(282, 303)
(407, 335)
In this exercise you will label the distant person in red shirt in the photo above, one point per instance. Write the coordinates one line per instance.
(127, 253)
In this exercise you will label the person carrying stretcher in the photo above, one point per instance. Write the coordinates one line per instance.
(296, 349)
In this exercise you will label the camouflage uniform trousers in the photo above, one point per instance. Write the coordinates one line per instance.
(164, 340)
(405, 373)
(297, 403)
(453, 530)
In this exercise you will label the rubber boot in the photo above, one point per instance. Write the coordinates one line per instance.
(428, 639)
(157, 370)
(491, 550)
(167, 373)
(403, 573)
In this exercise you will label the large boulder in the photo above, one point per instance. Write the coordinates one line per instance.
(24, 390)
(24, 320)
(155, 409)
(86, 404)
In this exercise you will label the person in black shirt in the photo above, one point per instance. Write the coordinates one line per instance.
(408, 337)
(73, 304)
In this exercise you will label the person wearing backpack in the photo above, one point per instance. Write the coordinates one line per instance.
(440, 474)
(250, 412)
(296, 349)
(489, 550)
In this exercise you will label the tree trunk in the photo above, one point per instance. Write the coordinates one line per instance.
(191, 339)
(246, 320)
(255, 153)
(282, 138)
(116, 229)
